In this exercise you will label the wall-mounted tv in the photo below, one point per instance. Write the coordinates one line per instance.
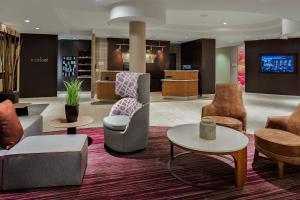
(285, 63)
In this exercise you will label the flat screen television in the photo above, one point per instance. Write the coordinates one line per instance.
(285, 63)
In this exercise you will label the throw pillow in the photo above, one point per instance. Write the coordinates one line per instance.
(11, 130)
(126, 106)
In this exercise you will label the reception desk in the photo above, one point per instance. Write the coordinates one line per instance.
(106, 85)
(180, 83)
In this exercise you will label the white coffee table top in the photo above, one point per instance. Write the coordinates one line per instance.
(62, 122)
(187, 136)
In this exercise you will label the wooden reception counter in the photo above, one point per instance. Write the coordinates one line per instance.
(180, 83)
(106, 85)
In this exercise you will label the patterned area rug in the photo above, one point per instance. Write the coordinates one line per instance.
(144, 175)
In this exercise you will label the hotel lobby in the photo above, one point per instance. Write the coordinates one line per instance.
(149, 99)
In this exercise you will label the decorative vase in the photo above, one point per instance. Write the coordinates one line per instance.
(71, 113)
(13, 96)
(207, 129)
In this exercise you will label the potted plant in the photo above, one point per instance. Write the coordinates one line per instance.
(10, 46)
(72, 101)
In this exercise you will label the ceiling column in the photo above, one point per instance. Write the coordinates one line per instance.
(137, 46)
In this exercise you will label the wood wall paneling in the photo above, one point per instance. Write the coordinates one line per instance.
(38, 65)
(208, 66)
(283, 84)
(200, 54)
(115, 61)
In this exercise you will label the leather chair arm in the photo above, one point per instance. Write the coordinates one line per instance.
(278, 122)
(244, 120)
(209, 110)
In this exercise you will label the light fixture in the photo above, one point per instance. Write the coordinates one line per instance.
(27, 20)
(162, 48)
(203, 15)
(37, 28)
(225, 23)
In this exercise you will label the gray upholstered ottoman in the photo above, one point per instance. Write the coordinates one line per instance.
(44, 161)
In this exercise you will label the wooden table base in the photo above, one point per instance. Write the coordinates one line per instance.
(240, 159)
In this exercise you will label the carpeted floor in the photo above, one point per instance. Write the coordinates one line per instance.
(144, 175)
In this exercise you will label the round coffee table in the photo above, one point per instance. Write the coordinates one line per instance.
(228, 142)
(72, 126)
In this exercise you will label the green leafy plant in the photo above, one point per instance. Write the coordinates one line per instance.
(73, 87)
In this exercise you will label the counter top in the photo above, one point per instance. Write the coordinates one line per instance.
(110, 71)
(105, 81)
(181, 70)
(173, 80)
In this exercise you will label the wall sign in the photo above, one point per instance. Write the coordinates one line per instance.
(39, 60)
(68, 66)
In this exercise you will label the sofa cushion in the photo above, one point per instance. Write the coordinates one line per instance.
(278, 142)
(227, 122)
(32, 125)
(11, 130)
(116, 123)
(44, 161)
(126, 106)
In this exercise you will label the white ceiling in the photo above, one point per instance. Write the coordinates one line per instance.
(186, 19)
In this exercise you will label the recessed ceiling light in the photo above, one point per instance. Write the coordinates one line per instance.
(203, 15)
(37, 28)
(225, 23)
(27, 20)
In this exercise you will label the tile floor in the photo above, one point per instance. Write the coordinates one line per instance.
(172, 112)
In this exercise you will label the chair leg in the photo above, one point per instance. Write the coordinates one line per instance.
(256, 155)
(280, 169)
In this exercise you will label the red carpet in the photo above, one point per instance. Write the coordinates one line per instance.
(144, 175)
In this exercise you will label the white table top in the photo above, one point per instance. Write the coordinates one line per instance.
(62, 122)
(227, 140)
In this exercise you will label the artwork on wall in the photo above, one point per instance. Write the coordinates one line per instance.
(68, 66)
(150, 57)
(241, 65)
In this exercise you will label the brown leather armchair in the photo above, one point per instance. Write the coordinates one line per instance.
(227, 108)
(280, 140)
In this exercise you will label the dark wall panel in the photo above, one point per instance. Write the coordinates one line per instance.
(71, 48)
(38, 65)
(200, 54)
(208, 66)
(114, 55)
(256, 82)
(115, 61)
